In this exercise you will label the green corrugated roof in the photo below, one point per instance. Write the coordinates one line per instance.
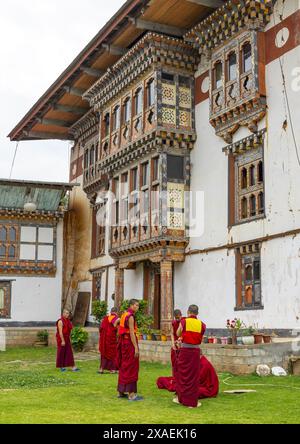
(47, 196)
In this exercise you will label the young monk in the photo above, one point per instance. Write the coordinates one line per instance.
(64, 356)
(188, 365)
(208, 382)
(128, 354)
(108, 342)
(174, 339)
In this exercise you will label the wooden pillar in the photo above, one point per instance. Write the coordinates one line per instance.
(166, 298)
(119, 286)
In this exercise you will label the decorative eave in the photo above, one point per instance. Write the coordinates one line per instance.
(228, 20)
(17, 213)
(86, 126)
(246, 144)
(153, 48)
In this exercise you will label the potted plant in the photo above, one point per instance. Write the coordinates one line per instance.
(247, 336)
(211, 339)
(235, 325)
(157, 335)
(258, 337)
(164, 337)
(224, 340)
(79, 337)
(143, 333)
(267, 338)
(99, 310)
(149, 334)
(42, 336)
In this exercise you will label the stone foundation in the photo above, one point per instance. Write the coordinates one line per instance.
(238, 360)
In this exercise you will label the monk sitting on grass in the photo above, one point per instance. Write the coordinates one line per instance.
(128, 354)
(64, 356)
(108, 342)
(174, 339)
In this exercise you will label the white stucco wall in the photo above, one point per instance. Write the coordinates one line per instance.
(38, 299)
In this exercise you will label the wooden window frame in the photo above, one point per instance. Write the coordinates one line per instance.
(6, 286)
(243, 285)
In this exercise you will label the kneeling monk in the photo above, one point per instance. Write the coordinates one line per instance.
(208, 382)
(64, 356)
(108, 342)
(128, 354)
(174, 339)
(188, 365)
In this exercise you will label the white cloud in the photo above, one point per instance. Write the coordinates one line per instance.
(38, 40)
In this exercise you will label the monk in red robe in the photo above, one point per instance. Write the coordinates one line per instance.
(108, 342)
(64, 356)
(174, 339)
(128, 354)
(208, 382)
(188, 365)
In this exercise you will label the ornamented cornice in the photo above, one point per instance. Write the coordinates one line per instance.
(246, 144)
(37, 215)
(87, 125)
(151, 49)
(228, 20)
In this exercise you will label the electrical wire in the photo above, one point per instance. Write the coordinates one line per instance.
(13, 161)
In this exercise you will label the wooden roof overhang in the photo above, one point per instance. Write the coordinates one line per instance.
(56, 113)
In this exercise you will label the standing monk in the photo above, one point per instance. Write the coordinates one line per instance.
(108, 342)
(191, 330)
(64, 356)
(174, 339)
(128, 354)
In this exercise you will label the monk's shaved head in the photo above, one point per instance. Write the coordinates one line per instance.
(114, 310)
(134, 302)
(193, 309)
(177, 312)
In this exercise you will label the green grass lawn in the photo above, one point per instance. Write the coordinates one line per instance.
(33, 391)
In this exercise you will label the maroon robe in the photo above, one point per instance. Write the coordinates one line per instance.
(188, 364)
(208, 382)
(64, 357)
(127, 363)
(108, 343)
(174, 353)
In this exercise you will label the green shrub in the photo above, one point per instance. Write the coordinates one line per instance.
(43, 335)
(79, 337)
(144, 321)
(99, 310)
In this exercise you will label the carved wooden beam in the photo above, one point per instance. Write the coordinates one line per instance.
(91, 71)
(47, 135)
(70, 109)
(157, 27)
(54, 122)
(208, 3)
(74, 91)
(115, 50)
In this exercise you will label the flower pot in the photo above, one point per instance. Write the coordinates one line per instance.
(218, 341)
(144, 337)
(211, 340)
(153, 337)
(140, 337)
(267, 339)
(248, 340)
(149, 337)
(164, 338)
(258, 338)
(229, 341)
(158, 337)
(224, 341)
(169, 338)
(205, 340)
(239, 340)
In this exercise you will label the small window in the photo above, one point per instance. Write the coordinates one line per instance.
(252, 205)
(2, 251)
(92, 155)
(150, 93)
(261, 205)
(155, 171)
(232, 66)
(138, 101)
(3, 234)
(184, 81)
(260, 172)
(167, 77)
(218, 75)
(145, 174)
(252, 175)
(12, 234)
(134, 179)
(244, 208)
(247, 57)
(11, 251)
(106, 121)
(2, 301)
(175, 167)
(244, 175)
(116, 118)
(127, 110)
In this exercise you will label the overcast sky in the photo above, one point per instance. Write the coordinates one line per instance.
(38, 40)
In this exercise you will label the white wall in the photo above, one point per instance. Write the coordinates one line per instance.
(38, 299)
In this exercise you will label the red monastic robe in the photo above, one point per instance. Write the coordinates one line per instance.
(208, 382)
(108, 343)
(188, 362)
(64, 357)
(127, 363)
(174, 353)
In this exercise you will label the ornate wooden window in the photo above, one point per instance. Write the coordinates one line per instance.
(232, 66)
(5, 299)
(218, 75)
(99, 231)
(247, 57)
(150, 93)
(124, 206)
(248, 278)
(106, 124)
(145, 198)
(8, 242)
(116, 118)
(138, 101)
(37, 243)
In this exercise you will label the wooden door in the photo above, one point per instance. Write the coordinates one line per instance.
(82, 309)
